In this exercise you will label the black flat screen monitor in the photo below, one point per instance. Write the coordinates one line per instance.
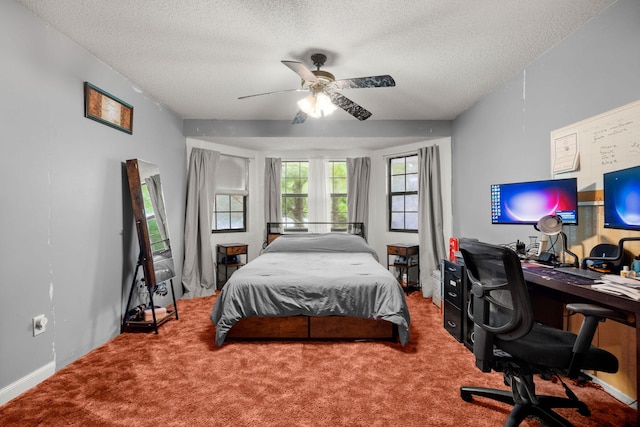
(622, 199)
(527, 202)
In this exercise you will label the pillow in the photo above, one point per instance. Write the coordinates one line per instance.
(328, 242)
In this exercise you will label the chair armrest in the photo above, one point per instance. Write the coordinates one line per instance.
(593, 314)
(596, 311)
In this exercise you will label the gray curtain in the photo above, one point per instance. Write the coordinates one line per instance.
(430, 217)
(198, 272)
(358, 178)
(157, 202)
(272, 190)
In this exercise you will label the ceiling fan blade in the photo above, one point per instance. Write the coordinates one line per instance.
(299, 118)
(300, 69)
(364, 82)
(349, 106)
(277, 91)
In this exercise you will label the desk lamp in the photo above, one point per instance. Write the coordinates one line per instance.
(551, 225)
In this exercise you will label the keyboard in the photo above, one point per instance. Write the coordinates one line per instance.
(581, 272)
(549, 272)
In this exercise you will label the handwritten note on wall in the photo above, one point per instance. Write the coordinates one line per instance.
(600, 144)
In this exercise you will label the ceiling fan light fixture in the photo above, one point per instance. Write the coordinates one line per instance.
(325, 90)
(325, 76)
(317, 105)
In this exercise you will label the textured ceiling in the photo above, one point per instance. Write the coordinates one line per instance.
(198, 56)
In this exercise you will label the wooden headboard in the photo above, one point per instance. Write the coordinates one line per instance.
(277, 229)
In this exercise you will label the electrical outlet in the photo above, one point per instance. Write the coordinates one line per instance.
(39, 324)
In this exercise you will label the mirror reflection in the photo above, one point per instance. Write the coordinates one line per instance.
(156, 241)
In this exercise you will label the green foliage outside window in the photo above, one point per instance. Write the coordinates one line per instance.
(295, 188)
(338, 189)
(295, 191)
(155, 238)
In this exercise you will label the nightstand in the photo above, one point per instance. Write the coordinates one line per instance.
(229, 257)
(403, 258)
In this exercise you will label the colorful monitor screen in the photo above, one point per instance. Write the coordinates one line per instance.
(622, 199)
(527, 202)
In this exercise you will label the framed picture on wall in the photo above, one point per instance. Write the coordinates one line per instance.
(107, 109)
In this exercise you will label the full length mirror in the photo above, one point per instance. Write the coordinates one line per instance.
(151, 221)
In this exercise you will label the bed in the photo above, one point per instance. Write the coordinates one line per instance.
(312, 286)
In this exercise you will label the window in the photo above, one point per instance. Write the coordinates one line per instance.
(155, 237)
(338, 190)
(230, 212)
(314, 191)
(295, 188)
(230, 204)
(403, 193)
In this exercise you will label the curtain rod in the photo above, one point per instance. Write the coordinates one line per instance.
(238, 156)
(406, 153)
(303, 158)
(223, 154)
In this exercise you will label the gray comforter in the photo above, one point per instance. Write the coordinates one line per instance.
(313, 275)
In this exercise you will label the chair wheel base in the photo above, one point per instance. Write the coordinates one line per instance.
(584, 411)
(543, 411)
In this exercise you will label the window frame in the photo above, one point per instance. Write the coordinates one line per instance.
(405, 193)
(214, 220)
(231, 179)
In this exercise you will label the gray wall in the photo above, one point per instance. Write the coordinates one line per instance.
(68, 244)
(505, 137)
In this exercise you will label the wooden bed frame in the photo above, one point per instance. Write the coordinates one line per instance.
(312, 327)
(277, 229)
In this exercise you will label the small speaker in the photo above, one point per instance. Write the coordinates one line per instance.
(547, 258)
(229, 259)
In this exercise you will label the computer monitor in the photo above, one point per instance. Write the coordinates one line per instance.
(527, 202)
(622, 199)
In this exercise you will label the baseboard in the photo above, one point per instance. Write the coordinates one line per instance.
(617, 394)
(25, 383)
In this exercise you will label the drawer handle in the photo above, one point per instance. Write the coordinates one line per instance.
(452, 294)
(451, 324)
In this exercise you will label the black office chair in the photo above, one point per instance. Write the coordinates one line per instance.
(508, 340)
(607, 257)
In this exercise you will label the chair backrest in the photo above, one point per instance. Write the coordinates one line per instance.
(499, 299)
(605, 250)
(607, 256)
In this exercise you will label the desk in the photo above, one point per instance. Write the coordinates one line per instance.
(560, 289)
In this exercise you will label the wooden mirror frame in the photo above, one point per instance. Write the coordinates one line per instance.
(137, 202)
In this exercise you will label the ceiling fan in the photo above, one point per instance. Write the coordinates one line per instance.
(324, 88)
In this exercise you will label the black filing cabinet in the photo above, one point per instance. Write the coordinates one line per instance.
(455, 289)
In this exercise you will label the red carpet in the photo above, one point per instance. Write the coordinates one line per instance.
(180, 378)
